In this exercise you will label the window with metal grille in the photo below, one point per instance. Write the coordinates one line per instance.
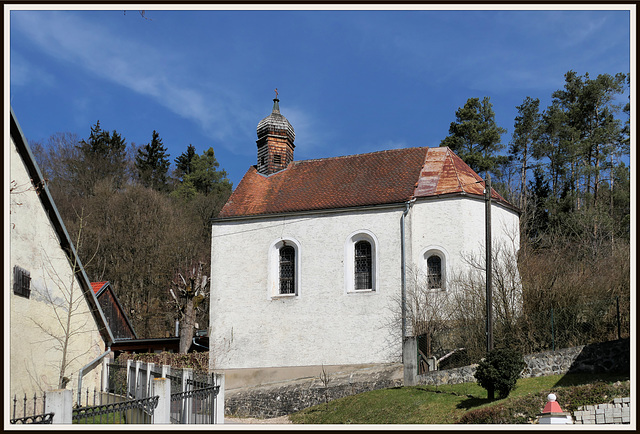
(434, 272)
(21, 282)
(363, 265)
(277, 159)
(287, 270)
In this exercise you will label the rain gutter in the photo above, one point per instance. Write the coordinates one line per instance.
(403, 267)
(87, 367)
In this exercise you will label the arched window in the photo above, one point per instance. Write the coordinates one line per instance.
(360, 263)
(434, 272)
(363, 265)
(287, 270)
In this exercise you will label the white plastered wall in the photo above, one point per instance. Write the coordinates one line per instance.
(34, 246)
(456, 226)
(325, 324)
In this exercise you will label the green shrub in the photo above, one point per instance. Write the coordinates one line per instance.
(590, 394)
(485, 415)
(499, 371)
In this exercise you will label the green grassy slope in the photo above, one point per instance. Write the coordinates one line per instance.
(465, 402)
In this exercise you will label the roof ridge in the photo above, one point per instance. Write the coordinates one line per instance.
(337, 157)
(455, 169)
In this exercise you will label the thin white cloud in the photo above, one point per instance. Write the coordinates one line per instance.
(134, 65)
(24, 73)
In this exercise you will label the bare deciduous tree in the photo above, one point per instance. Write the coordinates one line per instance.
(189, 290)
(70, 318)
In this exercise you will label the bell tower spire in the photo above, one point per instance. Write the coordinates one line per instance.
(275, 141)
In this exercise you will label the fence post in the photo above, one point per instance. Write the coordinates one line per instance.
(161, 387)
(147, 387)
(219, 401)
(553, 334)
(187, 375)
(60, 402)
(166, 371)
(136, 384)
(410, 361)
(129, 379)
(105, 374)
(618, 316)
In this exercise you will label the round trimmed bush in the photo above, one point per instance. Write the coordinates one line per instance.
(499, 371)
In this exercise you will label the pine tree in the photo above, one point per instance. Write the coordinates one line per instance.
(475, 137)
(205, 175)
(525, 136)
(103, 157)
(184, 162)
(152, 163)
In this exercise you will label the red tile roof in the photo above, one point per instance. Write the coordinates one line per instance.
(377, 178)
(97, 286)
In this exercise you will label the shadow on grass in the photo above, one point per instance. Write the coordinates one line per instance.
(578, 379)
(604, 361)
(473, 402)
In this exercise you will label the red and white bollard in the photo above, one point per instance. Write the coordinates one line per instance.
(553, 414)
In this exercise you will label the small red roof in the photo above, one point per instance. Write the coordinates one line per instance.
(377, 178)
(552, 407)
(97, 286)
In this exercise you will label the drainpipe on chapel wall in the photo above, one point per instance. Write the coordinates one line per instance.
(403, 266)
(409, 345)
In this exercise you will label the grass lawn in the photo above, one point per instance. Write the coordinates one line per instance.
(448, 403)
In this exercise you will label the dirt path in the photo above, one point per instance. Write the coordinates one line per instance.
(252, 420)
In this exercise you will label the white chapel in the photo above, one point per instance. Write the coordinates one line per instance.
(308, 258)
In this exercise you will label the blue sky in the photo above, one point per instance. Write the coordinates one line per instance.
(349, 81)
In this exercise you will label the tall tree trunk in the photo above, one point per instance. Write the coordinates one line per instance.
(187, 326)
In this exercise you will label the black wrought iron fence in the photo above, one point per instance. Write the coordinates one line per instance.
(32, 417)
(196, 406)
(130, 411)
(193, 397)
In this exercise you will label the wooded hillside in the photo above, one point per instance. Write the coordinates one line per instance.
(565, 167)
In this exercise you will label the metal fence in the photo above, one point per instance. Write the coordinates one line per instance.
(463, 342)
(193, 397)
(193, 393)
(119, 410)
(32, 417)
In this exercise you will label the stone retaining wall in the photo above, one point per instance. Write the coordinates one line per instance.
(617, 413)
(287, 397)
(613, 356)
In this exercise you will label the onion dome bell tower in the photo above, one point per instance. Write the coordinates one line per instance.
(275, 141)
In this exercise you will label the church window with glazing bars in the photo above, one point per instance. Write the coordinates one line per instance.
(287, 270)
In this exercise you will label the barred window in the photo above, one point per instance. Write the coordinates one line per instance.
(363, 265)
(21, 282)
(434, 272)
(287, 270)
(277, 159)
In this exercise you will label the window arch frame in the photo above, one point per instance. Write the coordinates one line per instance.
(350, 258)
(274, 276)
(442, 254)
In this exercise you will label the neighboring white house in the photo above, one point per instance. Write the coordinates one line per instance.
(41, 283)
(309, 258)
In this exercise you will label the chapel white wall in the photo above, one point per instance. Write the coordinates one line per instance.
(34, 246)
(324, 324)
(456, 226)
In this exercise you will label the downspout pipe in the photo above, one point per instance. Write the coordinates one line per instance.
(88, 367)
(403, 266)
(198, 345)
